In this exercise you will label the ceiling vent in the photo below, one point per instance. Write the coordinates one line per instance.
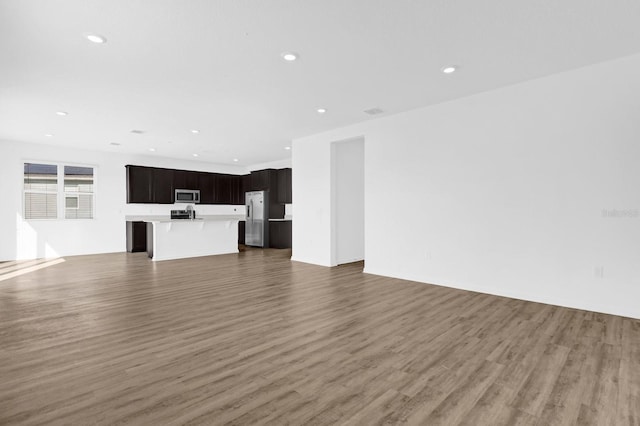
(137, 132)
(373, 111)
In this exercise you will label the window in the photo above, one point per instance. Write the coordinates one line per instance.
(40, 191)
(78, 192)
(58, 191)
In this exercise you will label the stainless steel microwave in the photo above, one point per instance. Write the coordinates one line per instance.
(187, 196)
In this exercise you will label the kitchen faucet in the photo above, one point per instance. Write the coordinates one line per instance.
(191, 212)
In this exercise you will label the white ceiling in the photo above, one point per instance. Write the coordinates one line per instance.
(170, 66)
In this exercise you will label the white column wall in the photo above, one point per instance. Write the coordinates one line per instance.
(311, 186)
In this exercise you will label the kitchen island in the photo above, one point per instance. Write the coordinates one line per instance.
(181, 238)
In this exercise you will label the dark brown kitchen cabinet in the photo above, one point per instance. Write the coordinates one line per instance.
(260, 180)
(246, 186)
(237, 190)
(162, 186)
(267, 180)
(241, 228)
(158, 185)
(185, 179)
(276, 207)
(284, 186)
(223, 189)
(280, 234)
(207, 186)
(136, 236)
(149, 185)
(139, 184)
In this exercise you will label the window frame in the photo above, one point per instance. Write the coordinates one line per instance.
(61, 193)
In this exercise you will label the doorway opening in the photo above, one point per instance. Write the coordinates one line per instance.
(347, 201)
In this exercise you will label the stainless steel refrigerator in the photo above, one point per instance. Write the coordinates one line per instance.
(257, 224)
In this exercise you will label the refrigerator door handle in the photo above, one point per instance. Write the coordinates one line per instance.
(251, 210)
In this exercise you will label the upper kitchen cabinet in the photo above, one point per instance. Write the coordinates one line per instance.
(207, 186)
(237, 189)
(185, 179)
(284, 186)
(139, 184)
(223, 189)
(260, 180)
(162, 186)
(267, 180)
(149, 185)
(246, 186)
(158, 185)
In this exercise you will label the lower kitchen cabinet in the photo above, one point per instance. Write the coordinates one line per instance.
(280, 234)
(136, 236)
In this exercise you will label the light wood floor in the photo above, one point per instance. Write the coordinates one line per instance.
(255, 338)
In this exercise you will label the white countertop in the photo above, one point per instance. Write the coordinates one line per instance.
(162, 218)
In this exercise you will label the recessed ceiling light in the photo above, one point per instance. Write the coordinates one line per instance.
(289, 56)
(49, 135)
(195, 132)
(95, 38)
(62, 113)
(152, 149)
(114, 144)
(321, 110)
(235, 160)
(287, 148)
(449, 69)
(195, 155)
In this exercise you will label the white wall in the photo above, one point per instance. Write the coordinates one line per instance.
(311, 196)
(510, 186)
(20, 239)
(347, 162)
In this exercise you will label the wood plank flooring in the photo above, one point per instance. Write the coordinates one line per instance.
(254, 338)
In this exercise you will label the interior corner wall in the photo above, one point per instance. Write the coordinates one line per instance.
(529, 191)
(31, 239)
